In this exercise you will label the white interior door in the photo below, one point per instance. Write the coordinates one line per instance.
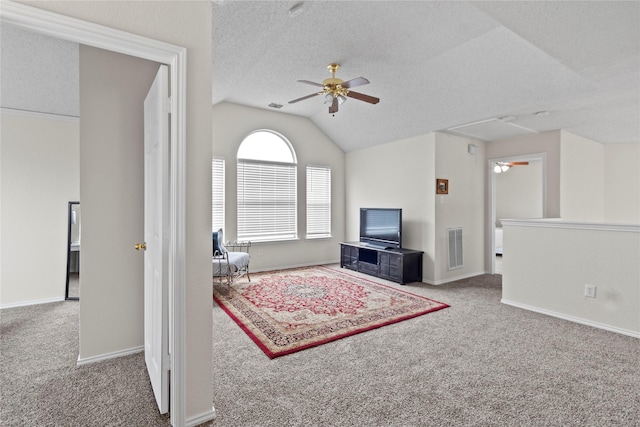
(156, 229)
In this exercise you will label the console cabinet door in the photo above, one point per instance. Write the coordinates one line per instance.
(349, 257)
(390, 265)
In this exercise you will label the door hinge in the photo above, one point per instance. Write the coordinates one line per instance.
(167, 105)
(166, 361)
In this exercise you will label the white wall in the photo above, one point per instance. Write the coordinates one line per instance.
(519, 191)
(231, 123)
(581, 179)
(622, 183)
(112, 91)
(399, 174)
(187, 24)
(40, 175)
(403, 174)
(547, 264)
(464, 206)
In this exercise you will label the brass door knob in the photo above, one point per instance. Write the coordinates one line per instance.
(141, 246)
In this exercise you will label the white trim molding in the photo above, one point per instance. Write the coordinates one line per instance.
(202, 418)
(571, 318)
(290, 266)
(490, 243)
(113, 355)
(72, 29)
(32, 302)
(453, 279)
(558, 223)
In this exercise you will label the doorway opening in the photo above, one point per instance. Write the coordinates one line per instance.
(518, 190)
(95, 35)
(72, 287)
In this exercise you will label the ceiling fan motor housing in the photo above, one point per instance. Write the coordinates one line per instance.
(333, 84)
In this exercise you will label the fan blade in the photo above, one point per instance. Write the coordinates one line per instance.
(310, 83)
(358, 81)
(304, 97)
(334, 106)
(363, 97)
(518, 163)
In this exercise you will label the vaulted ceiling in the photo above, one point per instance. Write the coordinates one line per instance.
(437, 65)
(482, 69)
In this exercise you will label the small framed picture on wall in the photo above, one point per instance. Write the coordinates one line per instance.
(442, 186)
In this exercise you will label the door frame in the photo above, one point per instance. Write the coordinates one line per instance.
(490, 260)
(175, 57)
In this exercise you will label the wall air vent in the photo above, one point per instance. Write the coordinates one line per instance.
(455, 248)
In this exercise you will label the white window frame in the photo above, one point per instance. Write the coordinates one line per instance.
(318, 202)
(267, 192)
(217, 193)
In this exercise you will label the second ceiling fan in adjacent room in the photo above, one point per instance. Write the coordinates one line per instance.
(505, 166)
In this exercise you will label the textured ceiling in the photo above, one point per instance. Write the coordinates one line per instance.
(436, 65)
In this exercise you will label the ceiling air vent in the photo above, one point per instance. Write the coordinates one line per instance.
(492, 129)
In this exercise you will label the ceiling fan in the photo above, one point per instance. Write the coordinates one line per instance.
(336, 90)
(505, 166)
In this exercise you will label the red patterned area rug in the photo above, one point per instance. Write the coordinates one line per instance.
(291, 310)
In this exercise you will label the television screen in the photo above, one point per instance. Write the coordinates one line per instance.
(381, 227)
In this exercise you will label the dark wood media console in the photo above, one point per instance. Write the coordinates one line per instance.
(398, 265)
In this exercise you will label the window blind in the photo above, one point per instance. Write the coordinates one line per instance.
(217, 194)
(267, 208)
(318, 201)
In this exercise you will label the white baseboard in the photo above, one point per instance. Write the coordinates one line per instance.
(287, 267)
(429, 282)
(32, 302)
(107, 356)
(572, 318)
(201, 418)
(453, 279)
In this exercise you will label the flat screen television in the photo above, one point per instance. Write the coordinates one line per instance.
(381, 227)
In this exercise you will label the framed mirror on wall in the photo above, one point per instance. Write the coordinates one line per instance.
(72, 290)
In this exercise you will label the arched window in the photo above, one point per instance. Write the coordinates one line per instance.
(267, 188)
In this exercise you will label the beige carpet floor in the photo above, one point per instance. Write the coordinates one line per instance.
(477, 363)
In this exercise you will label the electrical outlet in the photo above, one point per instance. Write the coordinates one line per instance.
(590, 291)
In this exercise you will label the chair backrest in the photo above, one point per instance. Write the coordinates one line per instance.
(218, 245)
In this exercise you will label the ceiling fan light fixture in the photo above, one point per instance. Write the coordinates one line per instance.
(341, 99)
(328, 99)
(501, 167)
